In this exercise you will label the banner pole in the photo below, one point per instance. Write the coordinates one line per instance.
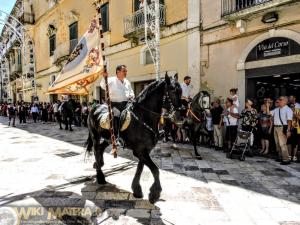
(107, 96)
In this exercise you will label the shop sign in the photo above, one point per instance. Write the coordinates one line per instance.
(274, 47)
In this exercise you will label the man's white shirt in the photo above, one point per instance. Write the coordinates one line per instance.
(286, 113)
(230, 120)
(119, 91)
(186, 90)
(55, 107)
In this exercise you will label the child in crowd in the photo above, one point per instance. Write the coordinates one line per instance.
(234, 97)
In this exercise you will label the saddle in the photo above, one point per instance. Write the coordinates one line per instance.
(124, 116)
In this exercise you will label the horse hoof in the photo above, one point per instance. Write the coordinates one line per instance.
(138, 195)
(101, 181)
(71, 130)
(154, 197)
(137, 192)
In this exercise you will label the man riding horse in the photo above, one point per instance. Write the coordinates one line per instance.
(141, 131)
(120, 92)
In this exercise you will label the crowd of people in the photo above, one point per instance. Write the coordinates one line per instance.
(274, 124)
(44, 112)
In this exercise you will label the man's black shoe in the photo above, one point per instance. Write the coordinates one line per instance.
(285, 163)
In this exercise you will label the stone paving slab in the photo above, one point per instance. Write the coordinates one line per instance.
(46, 169)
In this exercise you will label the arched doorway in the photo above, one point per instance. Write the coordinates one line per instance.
(270, 66)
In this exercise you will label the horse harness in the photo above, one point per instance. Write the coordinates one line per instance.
(190, 112)
(171, 113)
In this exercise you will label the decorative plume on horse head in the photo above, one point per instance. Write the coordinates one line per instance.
(141, 134)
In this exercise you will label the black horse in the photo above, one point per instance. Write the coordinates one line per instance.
(142, 134)
(196, 118)
(66, 115)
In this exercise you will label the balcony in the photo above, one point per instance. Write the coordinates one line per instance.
(27, 18)
(16, 68)
(11, 43)
(134, 24)
(237, 9)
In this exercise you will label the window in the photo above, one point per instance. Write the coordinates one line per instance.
(105, 17)
(145, 56)
(52, 42)
(73, 28)
(148, 58)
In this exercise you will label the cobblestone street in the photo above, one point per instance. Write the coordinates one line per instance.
(42, 166)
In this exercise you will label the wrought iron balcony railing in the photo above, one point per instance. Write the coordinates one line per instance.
(135, 23)
(233, 6)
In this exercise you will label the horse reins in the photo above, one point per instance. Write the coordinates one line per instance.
(172, 110)
(190, 111)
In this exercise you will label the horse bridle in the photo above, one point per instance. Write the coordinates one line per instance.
(166, 99)
(170, 113)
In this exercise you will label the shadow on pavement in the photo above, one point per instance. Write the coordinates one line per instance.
(96, 204)
(256, 174)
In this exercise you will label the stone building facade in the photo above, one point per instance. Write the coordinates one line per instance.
(59, 24)
(251, 45)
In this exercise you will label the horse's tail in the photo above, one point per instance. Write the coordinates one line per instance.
(89, 144)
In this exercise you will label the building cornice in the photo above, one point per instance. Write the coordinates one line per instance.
(251, 33)
(48, 12)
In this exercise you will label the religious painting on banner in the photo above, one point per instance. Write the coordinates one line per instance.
(83, 66)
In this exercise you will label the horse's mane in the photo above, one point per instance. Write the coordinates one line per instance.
(148, 90)
(195, 100)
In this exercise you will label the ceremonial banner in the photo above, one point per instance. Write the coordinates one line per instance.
(83, 67)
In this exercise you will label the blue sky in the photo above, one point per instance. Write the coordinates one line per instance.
(6, 6)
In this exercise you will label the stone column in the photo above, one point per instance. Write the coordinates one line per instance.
(193, 39)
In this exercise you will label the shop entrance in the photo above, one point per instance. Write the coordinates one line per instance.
(269, 75)
(273, 86)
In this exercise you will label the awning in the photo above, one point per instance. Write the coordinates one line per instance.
(84, 66)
